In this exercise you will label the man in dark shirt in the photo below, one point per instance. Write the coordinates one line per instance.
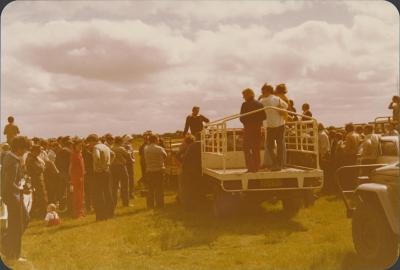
(252, 130)
(195, 123)
(119, 172)
(142, 159)
(11, 193)
(62, 163)
(88, 177)
(306, 112)
(11, 130)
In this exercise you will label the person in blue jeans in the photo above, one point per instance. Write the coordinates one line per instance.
(275, 128)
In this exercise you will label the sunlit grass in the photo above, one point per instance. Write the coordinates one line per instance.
(137, 238)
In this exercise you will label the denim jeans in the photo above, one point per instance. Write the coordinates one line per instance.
(276, 135)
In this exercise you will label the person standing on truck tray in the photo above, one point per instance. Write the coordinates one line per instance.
(194, 122)
(252, 130)
(395, 107)
(291, 108)
(11, 130)
(155, 157)
(306, 112)
(275, 127)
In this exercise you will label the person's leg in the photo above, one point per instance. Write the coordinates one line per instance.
(159, 189)
(108, 199)
(97, 196)
(102, 183)
(13, 236)
(80, 197)
(115, 174)
(150, 190)
(130, 169)
(279, 142)
(255, 149)
(267, 156)
(87, 192)
(124, 186)
(271, 145)
(246, 148)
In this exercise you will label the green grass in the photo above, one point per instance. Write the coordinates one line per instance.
(137, 238)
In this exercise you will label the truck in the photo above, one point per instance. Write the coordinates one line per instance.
(374, 205)
(223, 167)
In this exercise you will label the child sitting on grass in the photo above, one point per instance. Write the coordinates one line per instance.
(52, 217)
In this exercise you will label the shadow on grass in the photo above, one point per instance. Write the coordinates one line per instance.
(87, 221)
(183, 229)
(352, 261)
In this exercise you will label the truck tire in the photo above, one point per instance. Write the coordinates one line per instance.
(225, 203)
(373, 238)
(292, 202)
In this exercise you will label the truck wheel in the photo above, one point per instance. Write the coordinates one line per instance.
(225, 204)
(292, 203)
(373, 238)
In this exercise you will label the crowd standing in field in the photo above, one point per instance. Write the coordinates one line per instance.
(81, 175)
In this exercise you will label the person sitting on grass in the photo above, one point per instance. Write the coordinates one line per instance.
(52, 218)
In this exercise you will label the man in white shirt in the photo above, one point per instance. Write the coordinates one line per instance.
(369, 149)
(102, 158)
(155, 157)
(324, 146)
(275, 126)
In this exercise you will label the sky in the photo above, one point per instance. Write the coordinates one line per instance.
(81, 67)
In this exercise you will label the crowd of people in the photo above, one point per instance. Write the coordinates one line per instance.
(74, 176)
(84, 175)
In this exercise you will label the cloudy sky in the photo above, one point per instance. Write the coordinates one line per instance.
(77, 67)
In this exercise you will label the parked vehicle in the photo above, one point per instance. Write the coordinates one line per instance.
(223, 168)
(374, 204)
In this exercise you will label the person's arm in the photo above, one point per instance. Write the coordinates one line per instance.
(10, 177)
(186, 129)
(283, 104)
(112, 156)
(242, 110)
(96, 157)
(164, 153)
(71, 160)
(17, 129)
(263, 113)
(5, 130)
(390, 106)
(205, 119)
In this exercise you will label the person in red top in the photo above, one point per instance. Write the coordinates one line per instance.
(77, 171)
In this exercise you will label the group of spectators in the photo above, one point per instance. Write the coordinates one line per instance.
(81, 175)
(73, 175)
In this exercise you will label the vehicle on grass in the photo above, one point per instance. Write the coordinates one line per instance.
(373, 206)
(223, 167)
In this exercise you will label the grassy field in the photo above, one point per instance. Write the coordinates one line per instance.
(137, 238)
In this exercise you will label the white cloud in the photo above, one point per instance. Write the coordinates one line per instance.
(74, 70)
